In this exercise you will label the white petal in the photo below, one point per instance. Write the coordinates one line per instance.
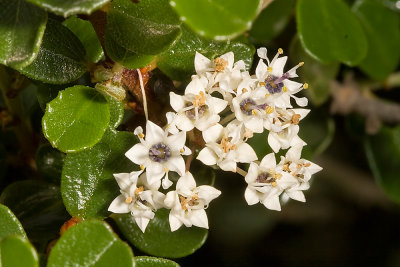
(123, 180)
(294, 153)
(195, 86)
(272, 203)
(217, 105)
(176, 141)
(166, 183)
(251, 196)
(199, 218)
(302, 102)
(296, 195)
(245, 153)
(273, 142)
(252, 173)
(176, 164)
(229, 57)
(138, 130)
(261, 71)
(207, 156)
(174, 222)
(186, 182)
(142, 223)
(303, 112)
(208, 193)
(138, 154)
(213, 133)
(170, 199)
(262, 52)
(268, 162)
(154, 133)
(277, 67)
(254, 124)
(201, 63)
(118, 205)
(177, 102)
(228, 165)
(155, 171)
(183, 122)
(292, 86)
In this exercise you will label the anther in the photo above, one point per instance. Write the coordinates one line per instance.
(128, 200)
(305, 86)
(141, 135)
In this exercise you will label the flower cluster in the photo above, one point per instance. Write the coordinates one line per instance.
(227, 105)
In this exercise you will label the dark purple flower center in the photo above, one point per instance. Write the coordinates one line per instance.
(159, 152)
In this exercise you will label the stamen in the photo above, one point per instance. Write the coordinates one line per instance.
(139, 190)
(296, 119)
(220, 64)
(128, 200)
(141, 135)
(142, 167)
(269, 69)
(305, 86)
(269, 110)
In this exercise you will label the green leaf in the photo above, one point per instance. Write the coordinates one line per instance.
(22, 26)
(144, 261)
(49, 162)
(123, 56)
(87, 185)
(116, 111)
(70, 7)
(218, 19)
(46, 92)
(76, 119)
(329, 31)
(90, 243)
(38, 206)
(9, 224)
(16, 251)
(84, 30)
(61, 56)
(271, 21)
(381, 27)
(158, 240)
(383, 153)
(146, 27)
(316, 74)
(178, 62)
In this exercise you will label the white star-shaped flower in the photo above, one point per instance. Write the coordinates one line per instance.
(225, 147)
(158, 153)
(187, 203)
(266, 182)
(280, 88)
(196, 108)
(138, 197)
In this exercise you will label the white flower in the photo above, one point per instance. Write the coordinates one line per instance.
(159, 153)
(266, 182)
(251, 108)
(188, 202)
(284, 128)
(225, 147)
(202, 64)
(196, 108)
(138, 197)
(272, 77)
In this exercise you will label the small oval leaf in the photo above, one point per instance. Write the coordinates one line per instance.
(17, 251)
(70, 7)
(381, 27)
(116, 111)
(9, 224)
(144, 261)
(218, 19)
(84, 30)
(158, 240)
(61, 56)
(76, 119)
(90, 243)
(38, 206)
(146, 27)
(329, 31)
(21, 31)
(87, 184)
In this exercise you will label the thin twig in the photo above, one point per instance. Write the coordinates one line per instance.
(143, 94)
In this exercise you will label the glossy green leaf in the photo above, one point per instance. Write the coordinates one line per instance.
(383, 153)
(88, 186)
(158, 240)
(22, 26)
(218, 19)
(38, 206)
(90, 243)
(9, 224)
(318, 75)
(49, 162)
(46, 92)
(329, 31)
(61, 56)
(146, 27)
(381, 27)
(116, 111)
(69, 7)
(271, 21)
(84, 30)
(392, 4)
(178, 62)
(123, 56)
(16, 251)
(76, 119)
(144, 261)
